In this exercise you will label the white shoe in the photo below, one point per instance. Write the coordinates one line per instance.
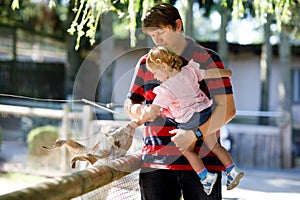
(209, 182)
(233, 178)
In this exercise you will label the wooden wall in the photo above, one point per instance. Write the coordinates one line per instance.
(256, 145)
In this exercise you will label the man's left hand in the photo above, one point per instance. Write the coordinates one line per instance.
(183, 139)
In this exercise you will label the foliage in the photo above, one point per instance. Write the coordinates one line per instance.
(41, 136)
(286, 12)
(88, 13)
(34, 16)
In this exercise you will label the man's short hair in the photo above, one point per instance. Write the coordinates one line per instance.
(161, 16)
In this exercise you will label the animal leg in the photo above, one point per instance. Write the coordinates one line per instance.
(89, 157)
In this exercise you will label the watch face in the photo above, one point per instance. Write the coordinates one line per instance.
(198, 134)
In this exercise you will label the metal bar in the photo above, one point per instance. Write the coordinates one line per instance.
(259, 113)
(104, 108)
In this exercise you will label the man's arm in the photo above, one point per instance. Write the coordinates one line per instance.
(133, 107)
(217, 73)
(223, 113)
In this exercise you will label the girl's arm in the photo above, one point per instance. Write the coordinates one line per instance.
(217, 73)
(148, 114)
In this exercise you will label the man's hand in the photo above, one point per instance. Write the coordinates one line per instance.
(183, 139)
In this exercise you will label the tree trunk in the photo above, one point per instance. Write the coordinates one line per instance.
(189, 18)
(223, 44)
(265, 65)
(74, 59)
(285, 73)
(106, 59)
(284, 87)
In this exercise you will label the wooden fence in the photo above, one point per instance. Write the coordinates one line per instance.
(78, 183)
(83, 181)
(261, 145)
(65, 115)
(254, 146)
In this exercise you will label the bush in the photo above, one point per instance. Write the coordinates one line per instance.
(42, 159)
(41, 136)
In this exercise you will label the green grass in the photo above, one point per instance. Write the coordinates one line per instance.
(19, 177)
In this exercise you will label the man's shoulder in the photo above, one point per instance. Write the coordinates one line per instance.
(198, 52)
(141, 65)
(198, 47)
(203, 55)
(143, 58)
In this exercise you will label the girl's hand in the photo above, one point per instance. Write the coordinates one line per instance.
(149, 113)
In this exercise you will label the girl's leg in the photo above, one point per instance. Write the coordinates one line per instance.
(194, 159)
(207, 179)
(233, 173)
(211, 142)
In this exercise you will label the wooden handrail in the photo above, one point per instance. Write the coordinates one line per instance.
(78, 183)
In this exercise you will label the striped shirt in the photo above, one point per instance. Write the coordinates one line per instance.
(158, 150)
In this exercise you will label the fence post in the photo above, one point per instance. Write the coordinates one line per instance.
(285, 125)
(86, 120)
(65, 129)
(286, 136)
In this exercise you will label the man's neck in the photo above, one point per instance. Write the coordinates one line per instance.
(182, 43)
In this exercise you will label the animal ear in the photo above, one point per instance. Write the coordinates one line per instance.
(110, 138)
(104, 129)
(118, 144)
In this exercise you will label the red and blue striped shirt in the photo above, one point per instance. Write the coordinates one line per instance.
(158, 150)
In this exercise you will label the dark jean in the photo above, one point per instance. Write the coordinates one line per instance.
(160, 184)
(197, 119)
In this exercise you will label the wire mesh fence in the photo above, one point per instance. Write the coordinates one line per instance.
(126, 188)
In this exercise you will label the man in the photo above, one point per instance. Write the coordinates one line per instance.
(166, 173)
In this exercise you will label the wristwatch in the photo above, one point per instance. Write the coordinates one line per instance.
(198, 134)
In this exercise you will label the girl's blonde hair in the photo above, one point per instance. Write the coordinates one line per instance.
(161, 54)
